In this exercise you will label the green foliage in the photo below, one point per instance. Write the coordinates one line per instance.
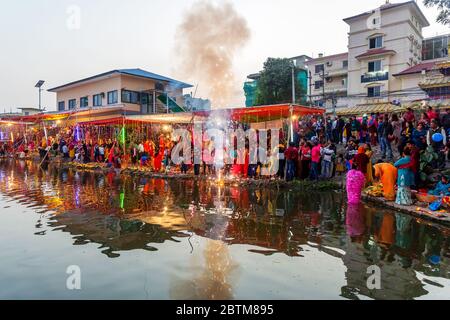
(275, 83)
(444, 10)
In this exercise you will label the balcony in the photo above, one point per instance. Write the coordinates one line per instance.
(375, 76)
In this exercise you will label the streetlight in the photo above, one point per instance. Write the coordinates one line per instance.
(293, 81)
(39, 86)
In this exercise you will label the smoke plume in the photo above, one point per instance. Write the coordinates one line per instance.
(207, 41)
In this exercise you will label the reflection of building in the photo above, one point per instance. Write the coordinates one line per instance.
(135, 90)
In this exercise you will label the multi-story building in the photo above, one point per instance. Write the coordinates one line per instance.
(135, 91)
(383, 44)
(328, 80)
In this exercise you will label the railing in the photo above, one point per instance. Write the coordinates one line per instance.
(375, 76)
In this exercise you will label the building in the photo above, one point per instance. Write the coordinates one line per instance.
(251, 86)
(328, 80)
(383, 44)
(436, 84)
(196, 104)
(135, 91)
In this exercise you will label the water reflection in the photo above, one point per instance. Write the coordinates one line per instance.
(123, 214)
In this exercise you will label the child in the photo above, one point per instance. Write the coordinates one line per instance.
(442, 188)
(340, 164)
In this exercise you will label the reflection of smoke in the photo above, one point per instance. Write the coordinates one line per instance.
(211, 282)
(207, 40)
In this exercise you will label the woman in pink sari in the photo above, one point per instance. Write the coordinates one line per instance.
(355, 185)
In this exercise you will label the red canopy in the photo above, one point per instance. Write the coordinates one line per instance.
(267, 113)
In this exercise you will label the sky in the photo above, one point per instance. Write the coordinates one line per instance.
(42, 40)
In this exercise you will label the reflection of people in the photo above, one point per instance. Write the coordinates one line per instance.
(387, 232)
(403, 236)
(355, 221)
(387, 174)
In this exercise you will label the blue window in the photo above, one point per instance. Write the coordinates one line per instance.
(84, 102)
(130, 97)
(97, 100)
(61, 106)
(374, 92)
(112, 97)
(374, 66)
(319, 68)
(72, 104)
(376, 42)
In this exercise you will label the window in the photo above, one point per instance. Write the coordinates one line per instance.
(345, 64)
(130, 96)
(61, 106)
(318, 84)
(374, 92)
(375, 42)
(319, 68)
(72, 104)
(84, 102)
(374, 66)
(97, 100)
(112, 97)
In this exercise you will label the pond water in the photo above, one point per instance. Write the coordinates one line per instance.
(140, 238)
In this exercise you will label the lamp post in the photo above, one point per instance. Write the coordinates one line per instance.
(39, 86)
(293, 81)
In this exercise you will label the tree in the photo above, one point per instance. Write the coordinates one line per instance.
(444, 10)
(275, 83)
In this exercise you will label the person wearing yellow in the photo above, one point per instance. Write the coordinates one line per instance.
(387, 174)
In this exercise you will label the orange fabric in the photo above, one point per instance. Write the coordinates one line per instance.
(388, 176)
(387, 231)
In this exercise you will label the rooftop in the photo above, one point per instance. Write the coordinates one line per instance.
(333, 56)
(389, 6)
(130, 72)
(375, 52)
(425, 66)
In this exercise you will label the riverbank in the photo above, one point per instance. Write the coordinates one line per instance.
(303, 185)
(418, 210)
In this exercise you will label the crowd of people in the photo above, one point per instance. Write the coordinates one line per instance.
(400, 151)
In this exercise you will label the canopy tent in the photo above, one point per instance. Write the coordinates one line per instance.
(368, 109)
(170, 118)
(15, 123)
(266, 113)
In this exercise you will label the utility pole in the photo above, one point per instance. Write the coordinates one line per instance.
(310, 88)
(293, 82)
(323, 87)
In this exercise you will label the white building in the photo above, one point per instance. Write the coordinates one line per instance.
(328, 80)
(383, 43)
